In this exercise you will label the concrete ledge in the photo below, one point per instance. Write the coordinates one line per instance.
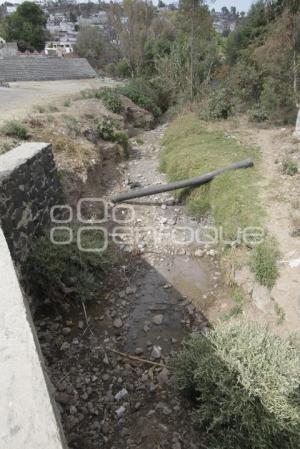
(18, 156)
(29, 187)
(27, 415)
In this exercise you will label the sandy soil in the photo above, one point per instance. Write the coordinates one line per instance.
(18, 100)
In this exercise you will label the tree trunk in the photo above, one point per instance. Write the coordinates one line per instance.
(295, 73)
(192, 49)
(297, 129)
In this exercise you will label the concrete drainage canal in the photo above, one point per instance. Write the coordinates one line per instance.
(108, 325)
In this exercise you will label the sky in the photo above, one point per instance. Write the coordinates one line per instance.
(241, 5)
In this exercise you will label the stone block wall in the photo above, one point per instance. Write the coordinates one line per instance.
(29, 187)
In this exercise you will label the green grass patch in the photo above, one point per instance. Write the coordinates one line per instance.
(264, 262)
(289, 167)
(245, 383)
(59, 272)
(191, 149)
(238, 300)
(16, 129)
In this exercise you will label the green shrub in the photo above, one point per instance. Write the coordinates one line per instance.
(122, 139)
(264, 263)
(15, 129)
(142, 94)
(289, 167)
(123, 69)
(67, 103)
(258, 115)
(41, 109)
(219, 106)
(105, 129)
(246, 384)
(57, 272)
(111, 99)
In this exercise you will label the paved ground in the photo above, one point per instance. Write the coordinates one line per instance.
(18, 100)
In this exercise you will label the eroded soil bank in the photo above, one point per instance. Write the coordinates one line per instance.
(110, 400)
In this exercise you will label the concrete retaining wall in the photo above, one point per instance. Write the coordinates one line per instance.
(29, 187)
(41, 68)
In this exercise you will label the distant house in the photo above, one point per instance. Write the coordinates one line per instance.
(61, 30)
(223, 23)
(58, 49)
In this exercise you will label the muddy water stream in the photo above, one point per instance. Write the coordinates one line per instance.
(163, 286)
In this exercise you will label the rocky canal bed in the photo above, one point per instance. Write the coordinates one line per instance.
(109, 362)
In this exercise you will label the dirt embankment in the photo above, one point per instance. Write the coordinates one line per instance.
(279, 192)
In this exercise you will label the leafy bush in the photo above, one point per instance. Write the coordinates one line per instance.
(123, 69)
(258, 115)
(111, 99)
(105, 129)
(15, 129)
(67, 103)
(57, 271)
(264, 263)
(246, 383)
(289, 167)
(219, 105)
(141, 93)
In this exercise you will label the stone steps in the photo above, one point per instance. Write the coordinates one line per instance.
(44, 69)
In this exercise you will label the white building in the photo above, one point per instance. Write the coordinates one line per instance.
(58, 48)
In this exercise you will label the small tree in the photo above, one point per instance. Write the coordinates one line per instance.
(132, 21)
(92, 45)
(27, 26)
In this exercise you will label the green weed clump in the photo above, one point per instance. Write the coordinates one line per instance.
(111, 99)
(14, 128)
(289, 167)
(105, 129)
(264, 263)
(245, 382)
(41, 109)
(60, 272)
(190, 150)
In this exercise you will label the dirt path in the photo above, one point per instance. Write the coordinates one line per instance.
(280, 195)
(108, 400)
(19, 99)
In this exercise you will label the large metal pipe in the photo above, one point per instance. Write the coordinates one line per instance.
(194, 182)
